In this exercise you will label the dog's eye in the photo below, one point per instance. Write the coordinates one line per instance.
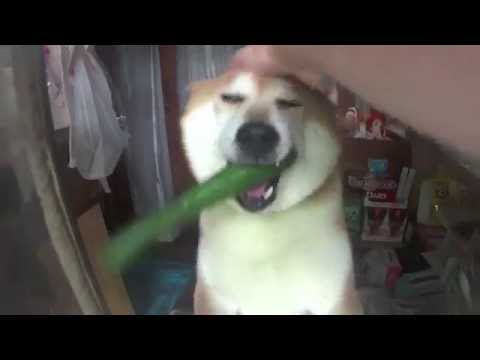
(233, 98)
(287, 104)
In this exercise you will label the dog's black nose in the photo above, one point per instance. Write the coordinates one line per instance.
(257, 139)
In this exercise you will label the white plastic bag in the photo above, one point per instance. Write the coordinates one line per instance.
(96, 139)
(56, 88)
(380, 267)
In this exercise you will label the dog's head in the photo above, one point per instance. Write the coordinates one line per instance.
(248, 119)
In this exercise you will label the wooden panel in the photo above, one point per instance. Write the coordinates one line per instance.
(94, 236)
(117, 207)
(182, 177)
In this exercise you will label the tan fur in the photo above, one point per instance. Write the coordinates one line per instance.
(203, 91)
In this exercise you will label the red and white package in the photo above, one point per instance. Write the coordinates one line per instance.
(385, 222)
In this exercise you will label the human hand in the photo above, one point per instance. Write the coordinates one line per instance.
(276, 60)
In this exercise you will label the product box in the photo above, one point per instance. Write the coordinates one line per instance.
(384, 221)
(375, 166)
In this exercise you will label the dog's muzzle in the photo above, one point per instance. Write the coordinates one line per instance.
(257, 143)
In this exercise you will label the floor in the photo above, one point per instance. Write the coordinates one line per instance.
(153, 283)
(184, 250)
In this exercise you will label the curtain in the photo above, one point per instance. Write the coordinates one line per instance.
(136, 78)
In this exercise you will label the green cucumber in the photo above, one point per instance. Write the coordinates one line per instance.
(130, 243)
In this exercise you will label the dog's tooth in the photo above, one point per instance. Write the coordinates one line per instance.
(268, 193)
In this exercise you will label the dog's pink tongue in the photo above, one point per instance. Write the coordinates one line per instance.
(257, 192)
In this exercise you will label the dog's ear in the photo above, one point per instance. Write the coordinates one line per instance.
(197, 87)
(205, 90)
(210, 85)
(199, 92)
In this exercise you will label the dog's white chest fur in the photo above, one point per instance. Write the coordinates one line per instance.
(283, 263)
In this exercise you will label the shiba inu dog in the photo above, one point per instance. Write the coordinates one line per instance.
(282, 246)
